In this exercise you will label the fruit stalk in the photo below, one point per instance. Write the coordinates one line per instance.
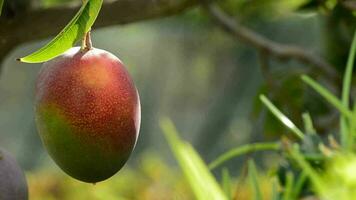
(86, 42)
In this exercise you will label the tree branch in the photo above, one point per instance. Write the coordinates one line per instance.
(42, 23)
(269, 47)
(349, 4)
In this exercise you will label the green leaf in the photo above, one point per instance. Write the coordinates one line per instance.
(299, 185)
(202, 182)
(346, 136)
(1, 4)
(288, 195)
(226, 183)
(332, 99)
(73, 32)
(307, 168)
(281, 117)
(275, 193)
(238, 151)
(308, 123)
(253, 177)
(352, 123)
(310, 5)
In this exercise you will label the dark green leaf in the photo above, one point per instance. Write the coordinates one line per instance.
(310, 5)
(307, 168)
(299, 185)
(1, 3)
(74, 31)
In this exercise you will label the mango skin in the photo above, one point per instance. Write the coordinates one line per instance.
(13, 185)
(87, 112)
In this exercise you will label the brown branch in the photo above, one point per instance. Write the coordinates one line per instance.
(42, 23)
(269, 47)
(349, 4)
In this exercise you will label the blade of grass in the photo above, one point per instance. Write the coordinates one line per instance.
(308, 124)
(345, 133)
(226, 183)
(299, 185)
(248, 148)
(280, 116)
(287, 195)
(253, 177)
(307, 169)
(353, 124)
(332, 99)
(275, 194)
(202, 182)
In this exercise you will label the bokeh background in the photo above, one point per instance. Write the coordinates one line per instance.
(190, 70)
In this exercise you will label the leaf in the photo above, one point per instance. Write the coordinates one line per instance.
(310, 5)
(74, 31)
(275, 194)
(299, 185)
(307, 168)
(1, 4)
(287, 195)
(279, 115)
(238, 151)
(253, 177)
(202, 182)
(346, 136)
(308, 124)
(226, 183)
(332, 99)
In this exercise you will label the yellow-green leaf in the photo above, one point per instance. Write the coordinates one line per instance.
(74, 31)
(202, 182)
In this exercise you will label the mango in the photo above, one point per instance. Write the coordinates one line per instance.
(87, 112)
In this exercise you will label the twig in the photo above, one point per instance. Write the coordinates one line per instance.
(44, 22)
(269, 47)
(349, 4)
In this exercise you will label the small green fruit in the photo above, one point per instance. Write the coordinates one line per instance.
(87, 113)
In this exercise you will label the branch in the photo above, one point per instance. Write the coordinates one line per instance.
(269, 47)
(349, 4)
(42, 23)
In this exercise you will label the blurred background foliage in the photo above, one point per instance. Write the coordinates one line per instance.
(187, 68)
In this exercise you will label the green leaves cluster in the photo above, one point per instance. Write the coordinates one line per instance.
(314, 161)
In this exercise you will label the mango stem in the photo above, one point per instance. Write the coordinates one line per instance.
(86, 42)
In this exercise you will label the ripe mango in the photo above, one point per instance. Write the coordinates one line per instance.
(87, 113)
